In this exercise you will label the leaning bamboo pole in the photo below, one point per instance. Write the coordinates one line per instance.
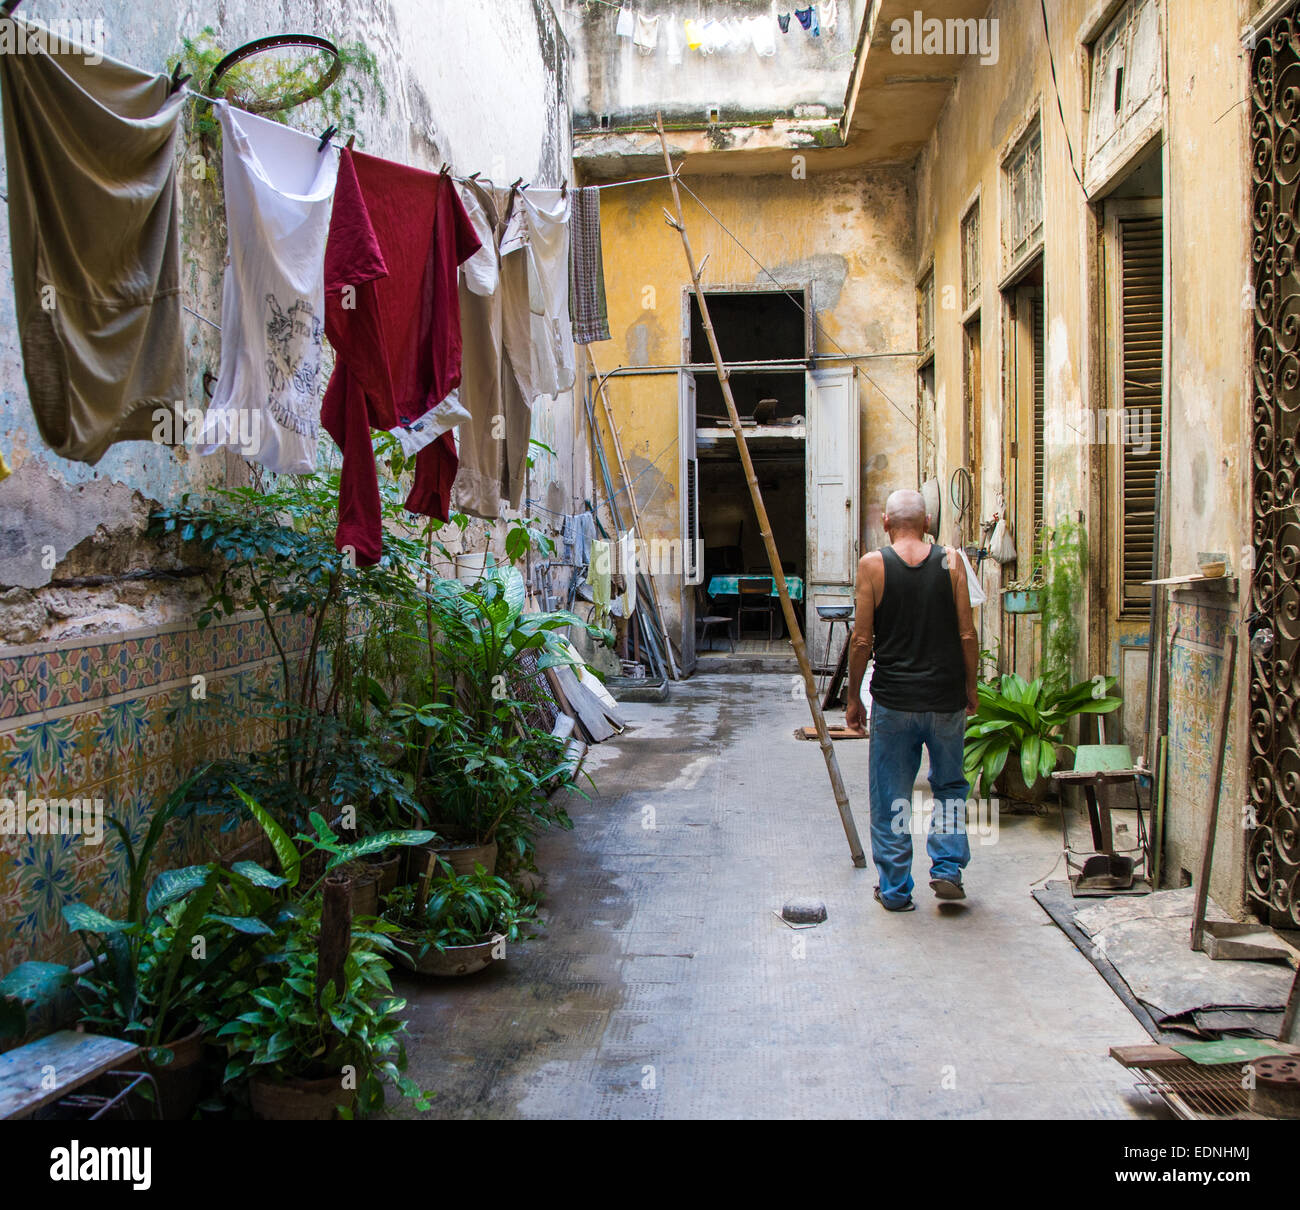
(764, 526)
(637, 530)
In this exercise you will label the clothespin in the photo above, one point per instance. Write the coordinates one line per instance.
(672, 222)
(446, 168)
(177, 80)
(328, 133)
(473, 176)
(351, 139)
(564, 188)
(516, 184)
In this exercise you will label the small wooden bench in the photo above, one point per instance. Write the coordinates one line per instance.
(57, 1066)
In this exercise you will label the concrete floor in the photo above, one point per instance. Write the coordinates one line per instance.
(664, 987)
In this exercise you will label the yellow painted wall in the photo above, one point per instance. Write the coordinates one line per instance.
(849, 233)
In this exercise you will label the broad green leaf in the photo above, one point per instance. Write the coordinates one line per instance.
(82, 918)
(249, 925)
(172, 885)
(258, 875)
(1029, 759)
(290, 861)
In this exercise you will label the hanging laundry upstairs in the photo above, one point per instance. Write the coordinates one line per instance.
(486, 443)
(392, 313)
(535, 277)
(91, 146)
(587, 304)
(279, 186)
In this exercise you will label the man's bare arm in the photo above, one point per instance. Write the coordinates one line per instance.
(862, 642)
(970, 643)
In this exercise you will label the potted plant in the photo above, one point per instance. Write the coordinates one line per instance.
(456, 924)
(314, 1052)
(147, 980)
(1018, 729)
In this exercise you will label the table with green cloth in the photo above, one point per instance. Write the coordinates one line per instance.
(729, 586)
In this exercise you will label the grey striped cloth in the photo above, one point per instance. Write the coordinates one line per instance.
(587, 307)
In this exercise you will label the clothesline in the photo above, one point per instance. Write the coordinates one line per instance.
(463, 180)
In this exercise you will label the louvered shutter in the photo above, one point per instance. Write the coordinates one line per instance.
(1039, 408)
(1141, 357)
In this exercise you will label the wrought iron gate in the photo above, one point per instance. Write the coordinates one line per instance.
(1273, 854)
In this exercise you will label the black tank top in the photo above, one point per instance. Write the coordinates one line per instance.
(919, 662)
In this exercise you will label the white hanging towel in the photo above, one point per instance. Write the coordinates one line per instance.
(762, 32)
(539, 227)
(647, 32)
(673, 40)
(737, 37)
(827, 14)
(279, 191)
(626, 22)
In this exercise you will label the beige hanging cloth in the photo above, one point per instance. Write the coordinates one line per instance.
(94, 228)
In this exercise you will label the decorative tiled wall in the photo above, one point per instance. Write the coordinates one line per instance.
(1196, 689)
(115, 718)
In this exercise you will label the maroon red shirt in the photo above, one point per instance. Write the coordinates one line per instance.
(392, 313)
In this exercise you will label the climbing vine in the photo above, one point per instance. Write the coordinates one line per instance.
(248, 85)
(1063, 556)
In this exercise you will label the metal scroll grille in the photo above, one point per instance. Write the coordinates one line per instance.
(1273, 854)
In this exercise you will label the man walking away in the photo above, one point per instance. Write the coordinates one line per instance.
(913, 613)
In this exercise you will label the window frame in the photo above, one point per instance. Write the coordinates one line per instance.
(1014, 262)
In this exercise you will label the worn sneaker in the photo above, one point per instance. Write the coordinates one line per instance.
(947, 888)
(909, 906)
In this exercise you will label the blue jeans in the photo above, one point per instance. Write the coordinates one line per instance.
(895, 760)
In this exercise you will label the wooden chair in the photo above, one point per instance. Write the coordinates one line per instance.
(756, 597)
(704, 620)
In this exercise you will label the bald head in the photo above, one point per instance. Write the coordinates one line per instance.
(905, 513)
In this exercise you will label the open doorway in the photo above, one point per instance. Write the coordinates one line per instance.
(763, 336)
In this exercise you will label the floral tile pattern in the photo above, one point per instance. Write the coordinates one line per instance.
(116, 737)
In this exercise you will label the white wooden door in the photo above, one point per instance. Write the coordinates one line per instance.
(689, 482)
(833, 491)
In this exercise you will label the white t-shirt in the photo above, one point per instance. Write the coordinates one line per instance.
(539, 225)
(279, 193)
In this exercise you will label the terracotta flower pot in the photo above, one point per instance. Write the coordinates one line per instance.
(365, 892)
(386, 871)
(1015, 784)
(296, 1100)
(461, 857)
(180, 1080)
(451, 962)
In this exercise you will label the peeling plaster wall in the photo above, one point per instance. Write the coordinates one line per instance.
(451, 72)
(1206, 176)
(848, 233)
(97, 644)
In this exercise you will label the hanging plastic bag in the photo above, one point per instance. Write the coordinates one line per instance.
(977, 594)
(1002, 543)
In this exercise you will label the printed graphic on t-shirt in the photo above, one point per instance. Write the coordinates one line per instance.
(293, 344)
